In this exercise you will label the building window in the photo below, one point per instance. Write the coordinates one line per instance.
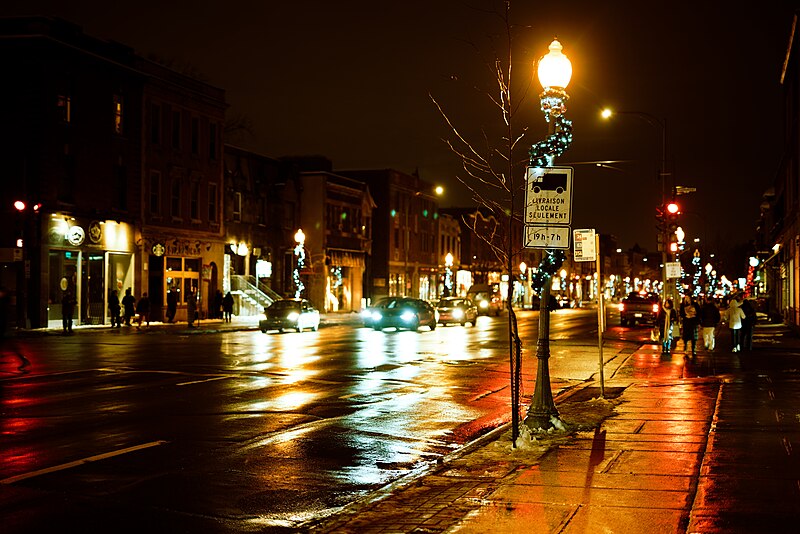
(175, 198)
(118, 114)
(237, 207)
(65, 108)
(212, 141)
(155, 193)
(195, 135)
(176, 130)
(212, 203)
(155, 124)
(120, 188)
(194, 201)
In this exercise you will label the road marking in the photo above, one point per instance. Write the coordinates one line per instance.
(82, 461)
(201, 381)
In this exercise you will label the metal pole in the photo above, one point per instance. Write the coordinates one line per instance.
(600, 315)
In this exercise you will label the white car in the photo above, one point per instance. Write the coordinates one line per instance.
(296, 313)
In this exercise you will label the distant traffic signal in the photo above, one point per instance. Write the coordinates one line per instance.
(672, 212)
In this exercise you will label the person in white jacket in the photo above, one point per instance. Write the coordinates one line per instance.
(734, 317)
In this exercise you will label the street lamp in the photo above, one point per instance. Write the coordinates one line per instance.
(661, 124)
(555, 71)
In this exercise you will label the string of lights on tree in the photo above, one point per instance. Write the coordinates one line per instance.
(698, 272)
(300, 252)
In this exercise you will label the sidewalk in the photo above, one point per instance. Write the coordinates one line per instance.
(685, 451)
(203, 326)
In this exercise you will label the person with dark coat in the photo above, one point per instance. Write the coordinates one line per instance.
(191, 307)
(172, 305)
(748, 325)
(114, 308)
(709, 319)
(143, 310)
(690, 322)
(217, 305)
(67, 310)
(227, 306)
(128, 306)
(667, 316)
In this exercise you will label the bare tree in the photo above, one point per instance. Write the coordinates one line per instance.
(493, 172)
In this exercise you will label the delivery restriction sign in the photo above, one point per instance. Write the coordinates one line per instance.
(548, 196)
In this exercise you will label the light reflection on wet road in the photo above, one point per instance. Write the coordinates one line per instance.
(259, 430)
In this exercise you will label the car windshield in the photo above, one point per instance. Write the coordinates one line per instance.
(396, 303)
(285, 305)
(452, 302)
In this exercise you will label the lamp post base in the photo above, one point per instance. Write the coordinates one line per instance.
(542, 410)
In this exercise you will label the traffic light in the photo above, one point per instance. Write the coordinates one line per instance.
(672, 212)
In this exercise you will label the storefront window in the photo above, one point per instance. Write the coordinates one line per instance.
(182, 274)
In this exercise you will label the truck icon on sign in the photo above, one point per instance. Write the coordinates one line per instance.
(550, 182)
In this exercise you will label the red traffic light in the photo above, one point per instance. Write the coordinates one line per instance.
(672, 208)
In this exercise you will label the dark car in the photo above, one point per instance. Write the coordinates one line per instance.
(487, 298)
(297, 314)
(366, 313)
(457, 310)
(403, 312)
(639, 308)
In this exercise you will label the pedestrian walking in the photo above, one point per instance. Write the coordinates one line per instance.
(114, 308)
(67, 310)
(128, 306)
(690, 322)
(191, 307)
(709, 319)
(227, 307)
(172, 305)
(217, 305)
(143, 311)
(748, 324)
(734, 316)
(667, 316)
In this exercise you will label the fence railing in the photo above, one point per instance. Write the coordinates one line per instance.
(251, 295)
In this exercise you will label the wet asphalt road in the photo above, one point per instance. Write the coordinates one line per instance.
(246, 432)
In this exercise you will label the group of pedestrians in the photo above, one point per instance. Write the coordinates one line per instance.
(700, 316)
(130, 311)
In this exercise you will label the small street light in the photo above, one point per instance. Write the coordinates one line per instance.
(555, 71)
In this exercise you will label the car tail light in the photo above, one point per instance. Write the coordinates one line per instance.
(655, 308)
(621, 307)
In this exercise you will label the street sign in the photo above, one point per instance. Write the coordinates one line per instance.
(673, 269)
(546, 237)
(583, 244)
(548, 195)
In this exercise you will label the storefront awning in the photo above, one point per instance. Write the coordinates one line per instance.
(346, 258)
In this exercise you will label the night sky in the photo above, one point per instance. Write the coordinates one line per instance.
(350, 80)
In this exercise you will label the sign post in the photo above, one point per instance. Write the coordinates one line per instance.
(586, 248)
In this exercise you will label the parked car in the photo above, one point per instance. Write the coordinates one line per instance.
(639, 308)
(295, 313)
(456, 310)
(403, 312)
(486, 298)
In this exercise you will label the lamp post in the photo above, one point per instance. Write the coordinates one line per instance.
(661, 124)
(554, 71)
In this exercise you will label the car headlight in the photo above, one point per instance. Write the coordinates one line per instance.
(366, 314)
(484, 304)
(407, 316)
(294, 316)
(376, 316)
(458, 313)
